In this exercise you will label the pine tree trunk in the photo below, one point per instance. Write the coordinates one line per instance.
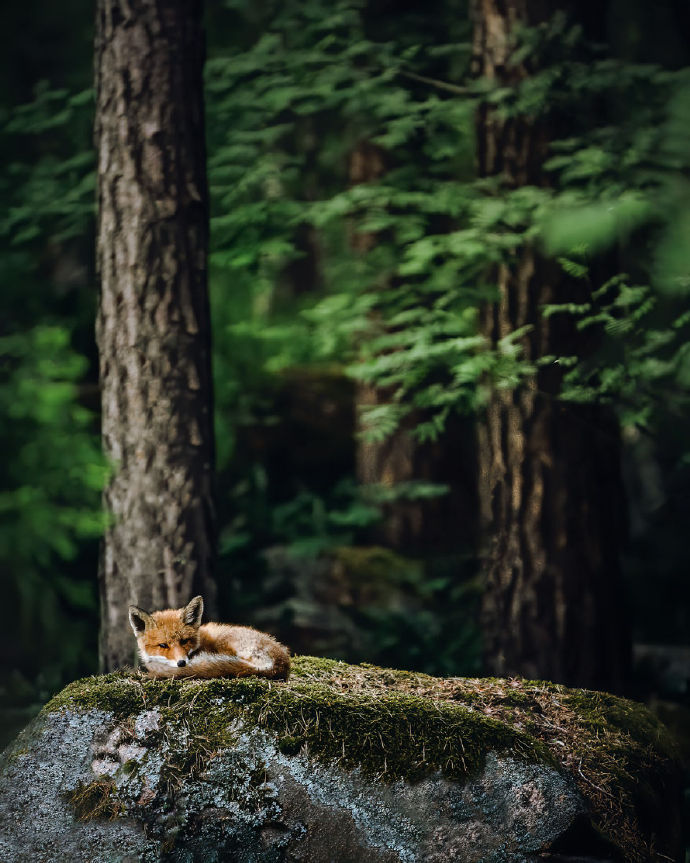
(393, 460)
(411, 525)
(551, 496)
(153, 319)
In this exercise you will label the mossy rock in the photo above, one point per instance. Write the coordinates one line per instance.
(403, 766)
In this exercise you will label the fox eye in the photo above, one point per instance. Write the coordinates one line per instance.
(184, 641)
(164, 646)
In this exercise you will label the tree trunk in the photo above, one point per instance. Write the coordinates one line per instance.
(412, 525)
(551, 498)
(153, 319)
(392, 460)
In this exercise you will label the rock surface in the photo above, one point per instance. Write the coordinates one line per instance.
(342, 763)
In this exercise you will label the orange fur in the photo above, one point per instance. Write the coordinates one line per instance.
(174, 643)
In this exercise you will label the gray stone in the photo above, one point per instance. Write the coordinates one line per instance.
(253, 803)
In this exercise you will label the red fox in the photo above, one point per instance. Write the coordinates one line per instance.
(174, 643)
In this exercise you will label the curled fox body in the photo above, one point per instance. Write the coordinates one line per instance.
(174, 643)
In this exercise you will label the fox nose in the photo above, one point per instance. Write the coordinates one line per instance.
(181, 662)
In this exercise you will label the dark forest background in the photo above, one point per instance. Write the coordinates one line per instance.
(350, 235)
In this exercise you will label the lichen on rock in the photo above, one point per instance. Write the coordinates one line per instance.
(410, 767)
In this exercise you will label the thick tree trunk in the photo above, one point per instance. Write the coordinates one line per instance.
(153, 319)
(550, 487)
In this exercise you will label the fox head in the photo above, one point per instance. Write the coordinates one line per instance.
(167, 639)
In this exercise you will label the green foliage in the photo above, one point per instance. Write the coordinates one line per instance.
(52, 194)
(642, 367)
(617, 178)
(383, 272)
(50, 503)
(574, 221)
(50, 512)
(308, 525)
(52, 484)
(283, 166)
(621, 185)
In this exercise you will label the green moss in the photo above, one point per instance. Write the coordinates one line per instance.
(122, 693)
(315, 666)
(288, 744)
(604, 711)
(396, 735)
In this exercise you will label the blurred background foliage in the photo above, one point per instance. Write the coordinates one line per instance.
(350, 246)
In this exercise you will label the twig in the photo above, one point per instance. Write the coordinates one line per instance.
(589, 781)
(434, 82)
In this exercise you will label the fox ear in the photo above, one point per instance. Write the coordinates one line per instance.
(139, 619)
(191, 613)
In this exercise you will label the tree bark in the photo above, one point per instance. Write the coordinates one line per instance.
(153, 320)
(551, 499)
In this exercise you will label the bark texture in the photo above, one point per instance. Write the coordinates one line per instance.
(551, 499)
(153, 318)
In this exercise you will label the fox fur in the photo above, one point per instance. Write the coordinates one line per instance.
(174, 643)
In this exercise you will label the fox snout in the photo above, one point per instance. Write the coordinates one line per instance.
(179, 655)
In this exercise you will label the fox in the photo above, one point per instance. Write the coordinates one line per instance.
(175, 643)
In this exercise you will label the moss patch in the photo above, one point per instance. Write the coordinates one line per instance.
(393, 735)
(402, 724)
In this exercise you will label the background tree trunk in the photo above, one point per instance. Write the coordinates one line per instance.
(153, 320)
(392, 460)
(550, 487)
(412, 525)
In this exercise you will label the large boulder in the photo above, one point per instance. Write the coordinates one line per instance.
(341, 763)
